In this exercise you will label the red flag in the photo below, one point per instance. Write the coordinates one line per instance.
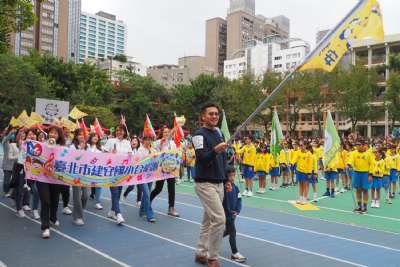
(148, 130)
(97, 128)
(178, 135)
(82, 125)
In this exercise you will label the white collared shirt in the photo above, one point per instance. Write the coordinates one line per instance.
(123, 146)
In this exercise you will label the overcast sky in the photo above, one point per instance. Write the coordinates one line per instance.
(160, 31)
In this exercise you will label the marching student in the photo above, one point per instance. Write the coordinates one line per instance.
(50, 193)
(94, 146)
(232, 206)
(120, 145)
(394, 170)
(361, 162)
(304, 162)
(249, 156)
(378, 170)
(135, 144)
(80, 194)
(274, 171)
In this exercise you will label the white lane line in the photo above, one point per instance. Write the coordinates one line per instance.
(313, 218)
(297, 228)
(322, 207)
(156, 235)
(104, 255)
(262, 240)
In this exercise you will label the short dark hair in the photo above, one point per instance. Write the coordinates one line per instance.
(230, 169)
(208, 105)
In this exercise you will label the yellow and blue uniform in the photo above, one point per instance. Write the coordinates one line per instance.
(292, 158)
(378, 171)
(342, 158)
(386, 175)
(331, 170)
(274, 166)
(248, 160)
(262, 165)
(361, 163)
(304, 162)
(283, 158)
(394, 162)
(314, 177)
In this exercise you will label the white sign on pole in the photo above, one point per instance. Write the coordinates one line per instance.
(51, 109)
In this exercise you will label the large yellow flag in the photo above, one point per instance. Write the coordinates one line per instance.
(24, 120)
(37, 118)
(76, 114)
(365, 21)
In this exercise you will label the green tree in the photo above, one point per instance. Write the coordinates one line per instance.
(20, 84)
(137, 96)
(355, 90)
(15, 16)
(121, 58)
(188, 99)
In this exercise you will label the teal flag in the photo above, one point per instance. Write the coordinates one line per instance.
(224, 127)
(331, 140)
(276, 135)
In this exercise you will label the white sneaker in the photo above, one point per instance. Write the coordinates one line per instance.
(46, 233)
(20, 214)
(250, 194)
(26, 208)
(315, 195)
(98, 206)
(67, 211)
(111, 214)
(138, 204)
(342, 190)
(377, 204)
(262, 190)
(120, 219)
(7, 195)
(56, 223)
(79, 222)
(259, 191)
(238, 257)
(178, 181)
(271, 188)
(36, 215)
(245, 193)
(373, 204)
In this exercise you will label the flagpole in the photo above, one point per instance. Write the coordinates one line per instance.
(289, 76)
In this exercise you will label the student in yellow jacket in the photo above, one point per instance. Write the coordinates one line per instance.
(262, 167)
(342, 157)
(248, 152)
(292, 158)
(304, 167)
(361, 162)
(313, 178)
(378, 171)
(284, 159)
(386, 177)
(394, 160)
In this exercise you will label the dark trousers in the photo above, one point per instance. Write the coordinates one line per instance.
(49, 196)
(6, 181)
(65, 192)
(230, 230)
(130, 189)
(21, 193)
(171, 191)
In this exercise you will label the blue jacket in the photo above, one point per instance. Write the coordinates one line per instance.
(210, 166)
(232, 202)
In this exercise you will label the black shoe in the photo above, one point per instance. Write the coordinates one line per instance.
(364, 211)
(327, 194)
(358, 210)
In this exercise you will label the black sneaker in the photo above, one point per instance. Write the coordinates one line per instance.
(358, 210)
(327, 194)
(364, 211)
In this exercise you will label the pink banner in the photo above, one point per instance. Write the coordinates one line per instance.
(62, 165)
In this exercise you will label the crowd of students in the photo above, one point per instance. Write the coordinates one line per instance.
(366, 166)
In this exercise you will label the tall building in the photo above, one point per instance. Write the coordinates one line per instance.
(101, 36)
(240, 27)
(52, 37)
(75, 8)
(248, 6)
(275, 54)
(216, 44)
(320, 35)
(188, 68)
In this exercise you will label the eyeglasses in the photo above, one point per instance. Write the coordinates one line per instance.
(213, 114)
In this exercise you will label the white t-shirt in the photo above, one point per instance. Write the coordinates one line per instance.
(142, 151)
(123, 146)
(167, 145)
(93, 148)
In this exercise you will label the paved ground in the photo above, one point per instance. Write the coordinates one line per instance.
(271, 232)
